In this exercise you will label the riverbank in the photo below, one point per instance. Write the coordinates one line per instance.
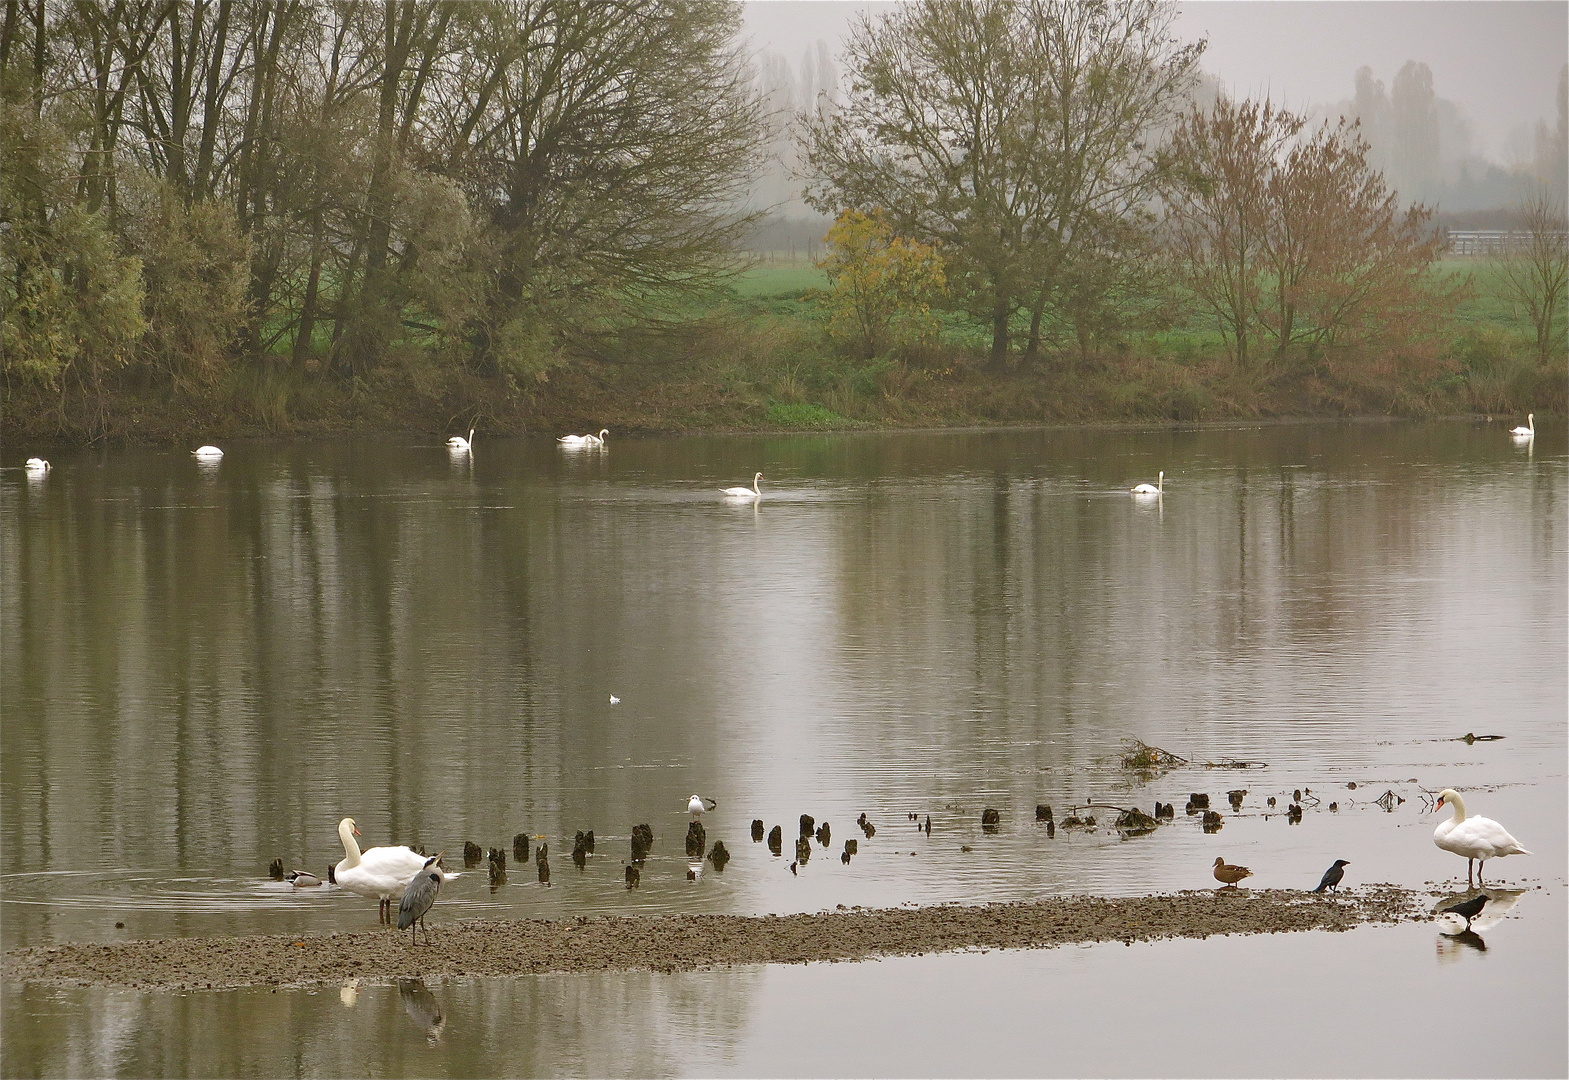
(689, 942)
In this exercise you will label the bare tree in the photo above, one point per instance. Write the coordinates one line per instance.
(1010, 132)
(1534, 277)
(1218, 212)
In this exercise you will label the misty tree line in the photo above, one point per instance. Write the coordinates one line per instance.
(320, 183)
(498, 187)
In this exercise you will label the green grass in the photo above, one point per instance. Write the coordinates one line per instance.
(802, 414)
(780, 278)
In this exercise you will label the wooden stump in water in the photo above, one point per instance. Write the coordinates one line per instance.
(696, 837)
(520, 845)
(719, 856)
(990, 819)
(803, 849)
(776, 840)
(634, 876)
(808, 822)
(824, 834)
(642, 841)
(757, 830)
(852, 847)
(1042, 812)
(472, 853)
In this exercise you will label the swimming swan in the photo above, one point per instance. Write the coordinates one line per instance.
(207, 453)
(1477, 838)
(380, 872)
(753, 492)
(458, 442)
(1151, 489)
(585, 440)
(36, 465)
(1525, 432)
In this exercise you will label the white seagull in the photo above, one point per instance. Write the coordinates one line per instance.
(697, 804)
(753, 492)
(1158, 488)
(1477, 838)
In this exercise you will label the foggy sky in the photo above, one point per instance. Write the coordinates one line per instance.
(1498, 60)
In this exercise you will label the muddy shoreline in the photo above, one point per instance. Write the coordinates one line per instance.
(689, 942)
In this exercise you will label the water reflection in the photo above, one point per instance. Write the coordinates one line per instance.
(206, 669)
(422, 1008)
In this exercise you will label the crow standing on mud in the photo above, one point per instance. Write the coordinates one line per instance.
(1332, 876)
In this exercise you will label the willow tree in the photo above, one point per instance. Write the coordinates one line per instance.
(1015, 134)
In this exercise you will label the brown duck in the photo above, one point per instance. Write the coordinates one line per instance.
(1229, 875)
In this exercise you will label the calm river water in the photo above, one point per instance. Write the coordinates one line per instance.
(205, 667)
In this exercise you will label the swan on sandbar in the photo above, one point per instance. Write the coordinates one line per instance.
(1158, 488)
(753, 492)
(1476, 838)
(1525, 432)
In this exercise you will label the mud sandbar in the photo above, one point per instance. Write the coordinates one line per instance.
(686, 942)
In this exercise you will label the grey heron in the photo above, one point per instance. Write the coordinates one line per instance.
(418, 897)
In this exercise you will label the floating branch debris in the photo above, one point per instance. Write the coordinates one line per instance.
(1234, 763)
(1389, 800)
(1139, 756)
(1469, 738)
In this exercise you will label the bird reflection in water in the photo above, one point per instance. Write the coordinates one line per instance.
(1452, 946)
(1457, 932)
(422, 1008)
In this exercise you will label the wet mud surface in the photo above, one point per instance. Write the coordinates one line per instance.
(688, 942)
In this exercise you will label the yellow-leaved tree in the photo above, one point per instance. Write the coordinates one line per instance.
(883, 285)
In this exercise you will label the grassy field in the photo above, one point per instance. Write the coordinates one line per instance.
(780, 275)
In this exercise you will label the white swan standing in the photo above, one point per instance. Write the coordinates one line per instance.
(1528, 431)
(37, 465)
(1157, 488)
(753, 492)
(458, 442)
(207, 453)
(380, 872)
(585, 440)
(1477, 838)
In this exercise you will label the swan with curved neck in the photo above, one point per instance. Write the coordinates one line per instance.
(36, 465)
(1525, 432)
(1476, 838)
(379, 872)
(458, 442)
(753, 492)
(207, 453)
(585, 440)
(1158, 488)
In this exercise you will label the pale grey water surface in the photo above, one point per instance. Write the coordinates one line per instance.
(205, 667)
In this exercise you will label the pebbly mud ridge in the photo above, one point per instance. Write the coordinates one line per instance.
(688, 942)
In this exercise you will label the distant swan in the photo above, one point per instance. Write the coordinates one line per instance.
(207, 453)
(1525, 432)
(1151, 489)
(753, 492)
(458, 442)
(585, 440)
(36, 465)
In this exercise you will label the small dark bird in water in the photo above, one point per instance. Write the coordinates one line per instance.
(417, 899)
(1468, 909)
(1332, 876)
(1270, 801)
